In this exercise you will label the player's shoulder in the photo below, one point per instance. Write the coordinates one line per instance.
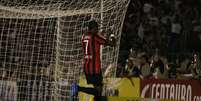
(82, 35)
(86, 36)
(86, 33)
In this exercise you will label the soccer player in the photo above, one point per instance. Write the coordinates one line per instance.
(91, 43)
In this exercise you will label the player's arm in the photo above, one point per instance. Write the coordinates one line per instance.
(108, 70)
(109, 40)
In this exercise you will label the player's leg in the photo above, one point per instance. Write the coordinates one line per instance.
(88, 90)
(91, 79)
(98, 95)
(75, 88)
(96, 91)
(96, 80)
(98, 85)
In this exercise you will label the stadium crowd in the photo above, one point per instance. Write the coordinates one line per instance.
(161, 39)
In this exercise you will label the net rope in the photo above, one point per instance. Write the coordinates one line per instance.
(40, 44)
(54, 8)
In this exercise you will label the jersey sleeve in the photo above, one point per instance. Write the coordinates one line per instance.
(101, 39)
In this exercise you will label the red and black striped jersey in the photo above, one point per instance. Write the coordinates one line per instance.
(91, 44)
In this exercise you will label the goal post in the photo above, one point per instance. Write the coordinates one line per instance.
(40, 44)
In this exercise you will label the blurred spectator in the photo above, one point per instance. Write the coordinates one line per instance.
(131, 69)
(195, 38)
(144, 66)
(196, 67)
(171, 68)
(147, 8)
(158, 68)
(184, 64)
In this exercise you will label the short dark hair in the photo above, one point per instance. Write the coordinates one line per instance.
(92, 24)
(145, 57)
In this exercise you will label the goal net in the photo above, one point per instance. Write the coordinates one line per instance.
(40, 44)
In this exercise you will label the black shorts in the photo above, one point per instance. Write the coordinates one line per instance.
(94, 79)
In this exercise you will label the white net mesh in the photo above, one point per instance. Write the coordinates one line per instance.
(40, 44)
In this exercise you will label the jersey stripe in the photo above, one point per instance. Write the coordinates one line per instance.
(94, 54)
(91, 52)
(86, 66)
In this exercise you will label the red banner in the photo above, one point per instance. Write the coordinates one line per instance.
(187, 90)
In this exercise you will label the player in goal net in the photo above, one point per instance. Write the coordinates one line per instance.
(40, 44)
(91, 43)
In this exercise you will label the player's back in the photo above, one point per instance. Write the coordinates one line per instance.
(91, 48)
(87, 45)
